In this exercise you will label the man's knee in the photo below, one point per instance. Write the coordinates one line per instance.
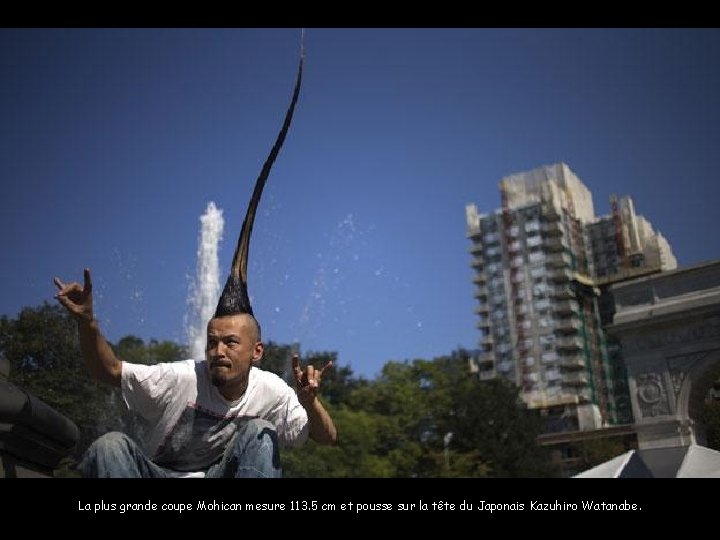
(111, 440)
(256, 449)
(110, 444)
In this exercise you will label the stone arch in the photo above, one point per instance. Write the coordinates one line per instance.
(694, 388)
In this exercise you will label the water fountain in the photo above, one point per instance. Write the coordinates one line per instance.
(205, 288)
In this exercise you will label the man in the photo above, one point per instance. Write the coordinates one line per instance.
(219, 417)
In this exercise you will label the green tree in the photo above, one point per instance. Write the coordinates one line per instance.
(424, 419)
(444, 422)
(407, 439)
(42, 347)
(276, 359)
(355, 456)
(489, 418)
(165, 351)
(359, 452)
(417, 419)
(132, 349)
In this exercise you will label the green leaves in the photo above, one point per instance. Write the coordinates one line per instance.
(424, 419)
(416, 419)
(42, 347)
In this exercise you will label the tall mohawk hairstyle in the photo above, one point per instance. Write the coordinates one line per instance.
(234, 299)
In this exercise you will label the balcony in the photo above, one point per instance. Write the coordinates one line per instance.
(558, 260)
(570, 343)
(476, 249)
(482, 309)
(573, 362)
(505, 366)
(485, 361)
(481, 292)
(533, 241)
(555, 243)
(487, 375)
(491, 238)
(575, 379)
(567, 325)
(566, 306)
(551, 228)
(563, 292)
(473, 233)
(559, 275)
(532, 226)
(480, 278)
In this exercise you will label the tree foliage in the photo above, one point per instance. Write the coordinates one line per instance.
(42, 347)
(425, 418)
(276, 359)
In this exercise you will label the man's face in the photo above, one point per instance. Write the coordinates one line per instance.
(232, 346)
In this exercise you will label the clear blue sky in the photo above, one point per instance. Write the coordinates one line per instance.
(113, 141)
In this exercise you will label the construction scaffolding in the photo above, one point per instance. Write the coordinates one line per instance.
(538, 285)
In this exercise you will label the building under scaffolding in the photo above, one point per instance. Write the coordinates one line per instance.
(541, 264)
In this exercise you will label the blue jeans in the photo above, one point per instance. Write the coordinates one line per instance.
(252, 453)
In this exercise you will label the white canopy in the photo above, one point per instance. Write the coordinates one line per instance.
(674, 462)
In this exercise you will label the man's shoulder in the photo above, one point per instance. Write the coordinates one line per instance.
(181, 367)
(270, 391)
(268, 379)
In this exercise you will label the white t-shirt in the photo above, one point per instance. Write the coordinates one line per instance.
(192, 423)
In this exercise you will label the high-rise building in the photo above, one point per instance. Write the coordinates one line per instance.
(624, 245)
(540, 262)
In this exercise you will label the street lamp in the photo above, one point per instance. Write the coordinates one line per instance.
(446, 444)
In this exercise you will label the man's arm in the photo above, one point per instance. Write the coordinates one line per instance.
(99, 357)
(321, 426)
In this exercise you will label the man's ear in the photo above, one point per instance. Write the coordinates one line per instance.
(258, 352)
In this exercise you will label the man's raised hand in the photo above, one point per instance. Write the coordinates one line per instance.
(307, 381)
(76, 298)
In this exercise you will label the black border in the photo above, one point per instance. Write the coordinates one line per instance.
(64, 501)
